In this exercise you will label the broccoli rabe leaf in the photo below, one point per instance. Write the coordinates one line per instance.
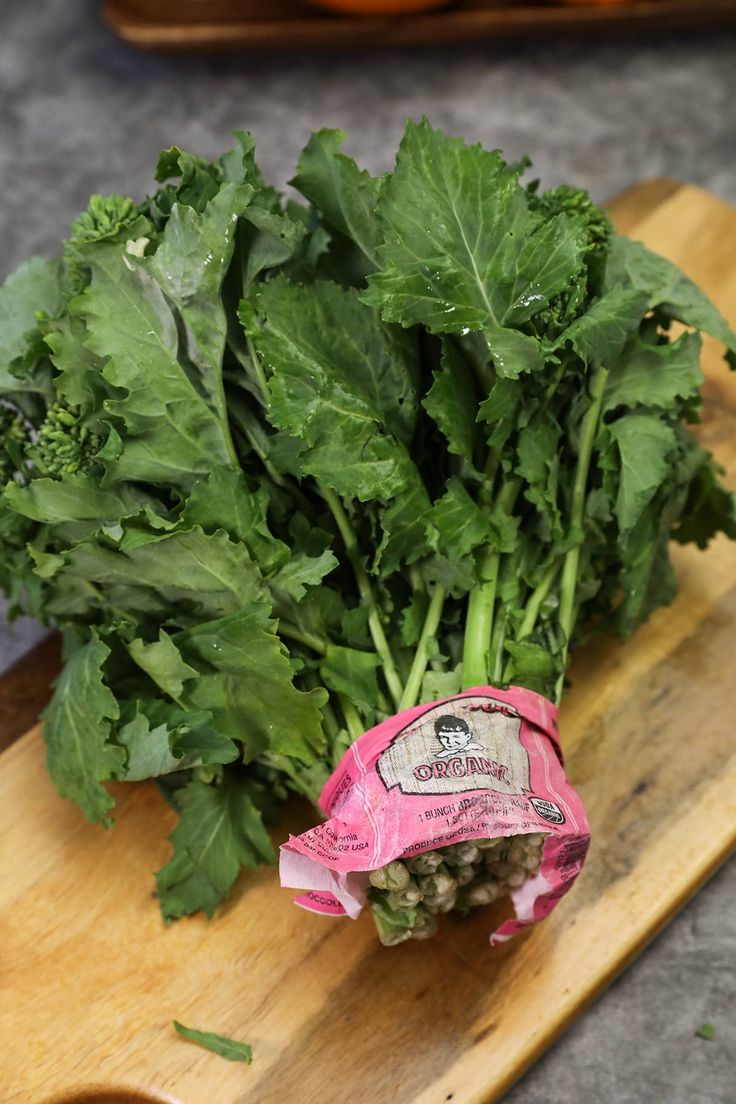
(196, 574)
(461, 250)
(599, 335)
(34, 286)
(220, 830)
(343, 382)
(131, 323)
(344, 195)
(72, 498)
(666, 287)
(77, 728)
(645, 443)
(456, 524)
(162, 739)
(351, 672)
(224, 501)
(655, 375)
(162, 662)
(190, 265)
(452, 403)
(246, 685)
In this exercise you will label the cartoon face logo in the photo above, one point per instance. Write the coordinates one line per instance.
(454, 734)
(476, 747)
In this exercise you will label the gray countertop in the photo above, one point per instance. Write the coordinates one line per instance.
(81, 113)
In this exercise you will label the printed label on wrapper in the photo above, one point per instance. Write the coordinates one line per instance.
(478, 765)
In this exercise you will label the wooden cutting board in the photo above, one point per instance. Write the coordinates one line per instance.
(91, 978)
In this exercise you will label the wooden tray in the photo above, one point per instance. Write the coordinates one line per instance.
(282, 24)
(91, 978)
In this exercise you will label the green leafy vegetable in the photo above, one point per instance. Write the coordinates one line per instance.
(280, 470)
(706, 1031)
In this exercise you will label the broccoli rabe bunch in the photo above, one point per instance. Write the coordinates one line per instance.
(281, 469)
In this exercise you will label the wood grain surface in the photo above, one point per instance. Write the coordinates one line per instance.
(91, 978)
(291, 24)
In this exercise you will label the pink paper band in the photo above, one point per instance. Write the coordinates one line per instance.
(481, 764)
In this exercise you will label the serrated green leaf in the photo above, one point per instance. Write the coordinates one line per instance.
(499, 411)
(655, 375)
(645, 443)
(246, 684)
(34, 286)
(345, 196)
(456, 523)
(303, 571)
(180, 741)
(220, 830)
(75, 497)
(224, 501)
(268, 240)
(412, 618)
(404, 528)
(210, 574)
(77, 732)
(341, 381)
(353, 673)
(162, 661)
(190, 265)
(172, 434)
(666, 287)
(437, 685)
(599, 335)
(460, 249)
(451, 402)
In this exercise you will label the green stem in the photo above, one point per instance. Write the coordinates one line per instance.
(365, 590)
(309, 640)
(416, 580)
(534, 602)
(352, 717)
(311, 681)
(260, 374)
(495, 662)
(572, 559)
(479, 621)
(421, 655)
(329, 721)
(490, 470)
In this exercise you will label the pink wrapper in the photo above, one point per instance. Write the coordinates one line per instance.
(481, 764)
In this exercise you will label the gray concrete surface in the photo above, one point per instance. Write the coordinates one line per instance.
(80, 113)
